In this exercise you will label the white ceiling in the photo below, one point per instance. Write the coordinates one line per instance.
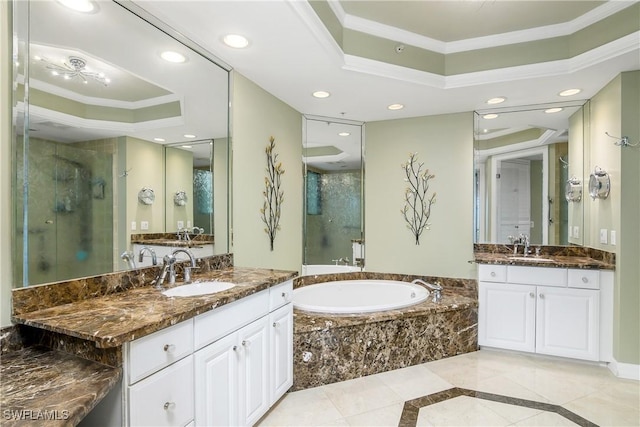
(291, 54)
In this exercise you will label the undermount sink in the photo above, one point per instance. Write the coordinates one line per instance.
(198, 288)
(529, 258)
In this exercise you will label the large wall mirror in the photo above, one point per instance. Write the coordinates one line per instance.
(334, 172)
(113, 137)
(525, 159)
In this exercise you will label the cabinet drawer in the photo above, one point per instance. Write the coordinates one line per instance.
(280, 294)
(165, 398)
(153, 352)
(585, 279)
(492, 273)
(217, 323)
(537, 276)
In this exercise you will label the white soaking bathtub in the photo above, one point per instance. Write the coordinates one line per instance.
(358, 296)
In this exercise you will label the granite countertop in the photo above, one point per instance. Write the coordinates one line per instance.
(114, 319)
(544, 260)
(47, 386)
(171, 239)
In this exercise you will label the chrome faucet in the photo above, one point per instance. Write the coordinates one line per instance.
(344, 261)
(435, 287)
(187, 270)
(183, 234)
(167, 264)
(128, 257)
(154, 259)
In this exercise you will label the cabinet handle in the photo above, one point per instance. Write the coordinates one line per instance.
(284, 295)
(584, 279)
(246, 343)
(235, 348)
(169, 347)
(276, 324)
(532, 295)
(541, 296)
(168, 405)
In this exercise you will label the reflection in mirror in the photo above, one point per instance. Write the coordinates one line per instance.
(522, 162)
(333, 228)
(94, 102)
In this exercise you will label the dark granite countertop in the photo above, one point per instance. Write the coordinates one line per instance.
(113, 319)
(171, 239)
(41, 386)
(557, 261)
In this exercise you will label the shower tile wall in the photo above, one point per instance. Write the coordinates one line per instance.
(330, 229)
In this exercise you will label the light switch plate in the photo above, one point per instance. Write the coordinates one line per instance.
(576, 232)
(603, 236)
(134, 227)
(612, 239)
(144, 225)
(180, 225)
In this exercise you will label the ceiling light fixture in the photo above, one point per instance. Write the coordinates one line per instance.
(395, 107)
(187, 146)
(84, 6)
(490, 116)
(344, 134)
(553, 110)
(321, 94)
(570, 92)
(496, 100)
(74, 68)
(188, 135)
(159, 139)
(235, 41)
(171, 56)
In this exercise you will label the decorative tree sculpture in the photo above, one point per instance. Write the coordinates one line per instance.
(417, 204)
(273, 196)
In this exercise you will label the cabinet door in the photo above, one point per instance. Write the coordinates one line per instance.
(216, 383)
(506, 316)
(254, 370)
(568, 322)
(281, 341)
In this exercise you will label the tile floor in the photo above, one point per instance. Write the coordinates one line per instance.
(587, 390)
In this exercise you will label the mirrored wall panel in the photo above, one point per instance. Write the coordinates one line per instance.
(98, 95)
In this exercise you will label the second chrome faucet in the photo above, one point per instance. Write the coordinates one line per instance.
(168, 268)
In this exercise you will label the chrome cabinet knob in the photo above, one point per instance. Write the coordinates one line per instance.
(168, 347)
(168, 405)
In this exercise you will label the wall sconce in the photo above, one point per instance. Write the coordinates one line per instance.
(180, 198)
(573, 190)
(599, 184)
(146, 196)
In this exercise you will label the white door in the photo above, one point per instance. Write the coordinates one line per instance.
(568, 322)
(216, 383)
(506, 316)
(281, 340)
(254, 370)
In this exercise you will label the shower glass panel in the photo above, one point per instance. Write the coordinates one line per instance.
(333, 166)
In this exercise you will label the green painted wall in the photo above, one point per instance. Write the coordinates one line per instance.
(258, 115)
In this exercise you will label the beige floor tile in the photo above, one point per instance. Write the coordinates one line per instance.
(553, 386)
(414, 381)
(546, 419)
(512, 413)
(605, 410)
(387, 416)
(507, 387)
(310, 407)
(361, 395)
(460, 411)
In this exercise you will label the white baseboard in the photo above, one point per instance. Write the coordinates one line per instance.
(625, 370)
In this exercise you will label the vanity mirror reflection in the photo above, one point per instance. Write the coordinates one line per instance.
(96, 99)
(523, 159)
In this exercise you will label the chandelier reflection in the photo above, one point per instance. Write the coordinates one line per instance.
(75, 68)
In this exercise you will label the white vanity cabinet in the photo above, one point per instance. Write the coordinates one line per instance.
(244, 358)
(554, 311)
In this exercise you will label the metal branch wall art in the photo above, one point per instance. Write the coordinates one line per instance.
(273, 195)
(417, 203)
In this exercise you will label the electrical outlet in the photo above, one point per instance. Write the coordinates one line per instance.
(576, 232)
(180, 225)
(144, 225)
(603, 236)
(612, 238)
(134, 227)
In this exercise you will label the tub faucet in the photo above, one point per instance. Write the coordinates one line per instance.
(344, 261)
(435, 288)
(154, 259)
(128, 257)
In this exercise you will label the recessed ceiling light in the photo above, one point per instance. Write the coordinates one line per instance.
(172, 56)
(187, 146)
(553, 110)
(321, 94)
(159, 139)
(496, 100)
(344, 134)
(570, 92)
(236, 41)
(84, 6)
(490, 116)
(395, 107)
(188, 135)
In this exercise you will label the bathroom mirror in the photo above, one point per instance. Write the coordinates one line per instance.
(523, 159)
(333, 221)
(96, 100)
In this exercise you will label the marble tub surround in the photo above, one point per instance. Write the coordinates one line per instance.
(560, 256)
(331, 348)
(10, 339)
(38, 297)
(171, 239)
(42, 386)
(115, 318)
